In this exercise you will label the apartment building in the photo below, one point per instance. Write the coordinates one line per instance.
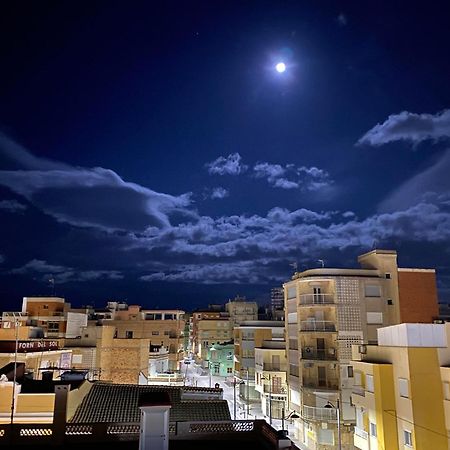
(401, 392)
(241, 310)
(247, 337)
(271, 378)
(210, 326)
(160, 327)
(326, 311)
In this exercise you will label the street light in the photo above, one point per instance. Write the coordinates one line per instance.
(234, 394)
(338, 414)
(292, 415)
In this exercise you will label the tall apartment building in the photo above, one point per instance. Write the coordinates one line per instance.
(401, 392)
(247, 337)
(326, 311)
(277, 298)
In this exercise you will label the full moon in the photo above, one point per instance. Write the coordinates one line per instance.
(280, 67)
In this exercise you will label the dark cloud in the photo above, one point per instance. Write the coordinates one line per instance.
(63, 274)
(227, 165)
(410, 127)
(94, 197)
(12, 206)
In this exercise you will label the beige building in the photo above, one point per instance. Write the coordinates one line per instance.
(247, 338)
(241, 310)
(401, 392)
(326, 311)
(160, 327)
(271, 378)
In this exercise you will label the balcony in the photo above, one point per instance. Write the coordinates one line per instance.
(320, 414)
(359, 390)
(316, 299)
(328, 354)
(317, 326)
(361, 433)
(269, 367)
(319, 384)
(274, 389)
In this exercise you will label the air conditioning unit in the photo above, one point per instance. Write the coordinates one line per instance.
(362, 349)
(332, 351)
(308, 365)
(308, 350)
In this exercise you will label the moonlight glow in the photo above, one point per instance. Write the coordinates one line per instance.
(280, 67)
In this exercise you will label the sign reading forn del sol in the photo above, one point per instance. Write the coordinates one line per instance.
(28, 346)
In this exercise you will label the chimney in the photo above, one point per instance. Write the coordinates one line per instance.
(155, 410)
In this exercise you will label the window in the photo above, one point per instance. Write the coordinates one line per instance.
(229, 370)
(375, 318)
(388, 276)
(407, 437)
(372, 290)
(403, 389)
(369, 383)
(292, 292)
(129, 334)
(53, 326)
(155, 333)
(166, 333)
(389, 301)
(373, 429)
(45, 307)
(350, 371)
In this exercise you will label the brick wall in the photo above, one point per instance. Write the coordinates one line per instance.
(418, 296)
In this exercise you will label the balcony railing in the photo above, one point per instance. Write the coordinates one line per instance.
(317, 325)
(359, 390)
(316, 299)
(361, 433)
(275, 389)
(331, 385)
(76, 434)
(269, 367)
(317, 413)
(328, 354)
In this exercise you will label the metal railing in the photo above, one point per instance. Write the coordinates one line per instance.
(317, 325)
(83, 433)
(361, 433)
(316, 299)
(319, 413)
(316, 383)
(328, 354)
(269, 367)
(359, 390)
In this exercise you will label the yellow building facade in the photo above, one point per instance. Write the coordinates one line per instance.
(400, 389)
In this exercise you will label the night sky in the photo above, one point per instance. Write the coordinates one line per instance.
(150, 152)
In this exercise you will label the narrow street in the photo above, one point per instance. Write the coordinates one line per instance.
(193, 376)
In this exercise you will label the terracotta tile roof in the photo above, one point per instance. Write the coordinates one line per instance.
(107, 402)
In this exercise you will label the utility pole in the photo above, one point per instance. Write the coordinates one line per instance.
(338, 410)
(248, 394)
(13, 400)
(234, 397)
(270, 401)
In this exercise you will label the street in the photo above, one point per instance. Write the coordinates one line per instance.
(193, 377)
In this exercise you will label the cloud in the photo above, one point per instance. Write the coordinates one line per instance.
(292, 177)
(229, 165)
(219, 193)
(63, 274)
(410, 127)
(12, 206)
(433, 184)
(93, 197)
